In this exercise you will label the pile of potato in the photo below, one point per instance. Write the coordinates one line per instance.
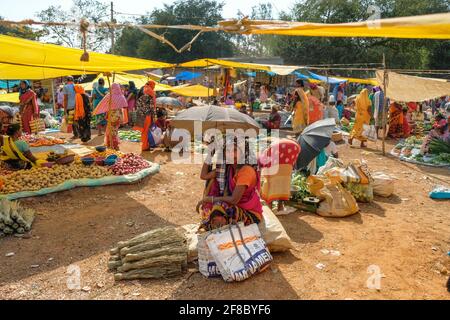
(43, 177)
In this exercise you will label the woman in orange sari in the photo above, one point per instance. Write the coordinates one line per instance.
(363, 115)
(240, 181)
(29, 108)
(396, 120)
(145, 110)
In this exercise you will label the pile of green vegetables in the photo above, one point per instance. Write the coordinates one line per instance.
(442, 158)
(299, 183)
(414, 141)
(132, 135)
(348, 127)
(361, 192)
(438, 146)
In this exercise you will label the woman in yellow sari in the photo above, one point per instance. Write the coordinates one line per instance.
(16, 153)
(300, 118)
(363, 115)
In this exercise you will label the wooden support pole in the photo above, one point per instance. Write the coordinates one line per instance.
(384, 115)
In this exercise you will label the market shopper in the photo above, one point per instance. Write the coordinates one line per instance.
(112, 105)
(82, 115)
(300, 118)
(29, 108)
(16, 152)
(131, 99)
(396, 118)
(274, 121)
(276, 164)
(440, 131)
(145, 110)
(240, 201)
(69, 105)
(98, 93)
(363, 116)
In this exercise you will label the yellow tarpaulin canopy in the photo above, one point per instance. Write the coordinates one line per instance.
(15, 72)
(194, 91)
(10, 97)
(204, 63)
(19, 52)
(404, 88)
(139, 81)
(373, 82)
(433, 26)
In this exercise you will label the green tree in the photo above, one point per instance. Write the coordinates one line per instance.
(256, 45)
(19, 31)
(133, 42)
(70, 36)
(400, 53)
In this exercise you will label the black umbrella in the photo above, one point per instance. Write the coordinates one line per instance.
(313, 139)
(220, 118)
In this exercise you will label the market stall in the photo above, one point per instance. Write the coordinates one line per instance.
(69, 166)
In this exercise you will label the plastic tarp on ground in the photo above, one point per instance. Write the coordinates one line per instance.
(27, 53)
(71, 184)
(10, 97)
(433, 26)
(405, 88)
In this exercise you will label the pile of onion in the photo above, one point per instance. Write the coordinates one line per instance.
(129, 164)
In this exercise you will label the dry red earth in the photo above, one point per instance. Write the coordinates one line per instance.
(406, 236)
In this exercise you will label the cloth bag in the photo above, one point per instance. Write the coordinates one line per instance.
(273, 232)
(383, 184)
(206, 263)
(239, 251)
(336, 201)
(369, 132)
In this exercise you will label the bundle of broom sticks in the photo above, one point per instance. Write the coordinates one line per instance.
(158, 253)
(14, 219)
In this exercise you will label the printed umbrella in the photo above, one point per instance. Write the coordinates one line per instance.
(213, 117)
(282, 151)
(112, 101)
(313, 139)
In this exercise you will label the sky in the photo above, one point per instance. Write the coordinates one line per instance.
(26, 9)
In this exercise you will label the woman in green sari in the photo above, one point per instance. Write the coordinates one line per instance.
(98, 93)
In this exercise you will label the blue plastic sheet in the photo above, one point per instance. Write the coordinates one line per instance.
(187, 75)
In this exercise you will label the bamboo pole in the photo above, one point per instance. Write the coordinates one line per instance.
(53, 97)
(385, 75)
(207, 69)
(109, 111)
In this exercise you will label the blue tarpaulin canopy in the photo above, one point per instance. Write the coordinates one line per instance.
(4, 84)
(300, 75)
(330, 80)
(187, 75)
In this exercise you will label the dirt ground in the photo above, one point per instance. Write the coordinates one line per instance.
(407, 236)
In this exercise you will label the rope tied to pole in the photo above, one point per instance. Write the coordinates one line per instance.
(84, 25)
